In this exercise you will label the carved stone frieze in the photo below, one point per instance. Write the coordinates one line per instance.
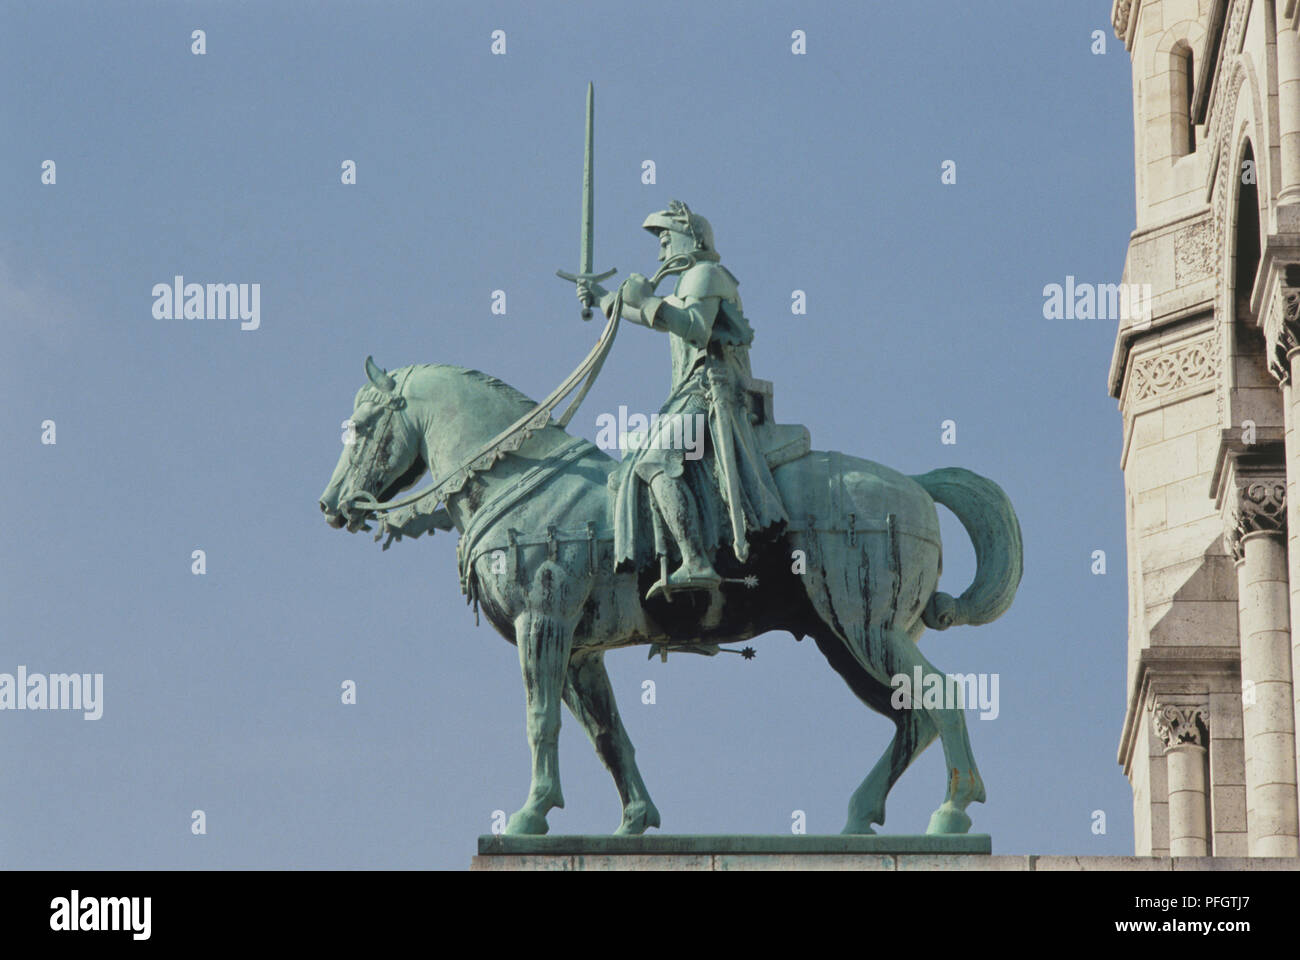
(1195, 253)
(1161, 374)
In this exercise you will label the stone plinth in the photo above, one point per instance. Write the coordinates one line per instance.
(875, 854)
(725, 852)
(660, 844)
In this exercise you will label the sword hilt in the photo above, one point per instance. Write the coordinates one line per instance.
(596, 277)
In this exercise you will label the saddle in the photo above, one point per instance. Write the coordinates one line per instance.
(780, 442)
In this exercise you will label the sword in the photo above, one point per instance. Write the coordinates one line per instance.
(585, 258)
(535, 419)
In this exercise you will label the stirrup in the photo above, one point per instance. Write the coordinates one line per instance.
(663, 586)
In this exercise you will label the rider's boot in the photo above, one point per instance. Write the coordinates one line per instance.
(677, 507)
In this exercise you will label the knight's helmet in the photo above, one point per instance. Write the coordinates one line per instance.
(679, 219)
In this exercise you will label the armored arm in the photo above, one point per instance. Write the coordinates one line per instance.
(700, 292)
(693, 321)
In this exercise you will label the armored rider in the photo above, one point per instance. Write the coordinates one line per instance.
(729, 493)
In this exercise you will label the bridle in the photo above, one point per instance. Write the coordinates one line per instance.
(514, 436)
(372, 463)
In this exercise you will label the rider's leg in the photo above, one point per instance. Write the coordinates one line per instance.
(676, 505)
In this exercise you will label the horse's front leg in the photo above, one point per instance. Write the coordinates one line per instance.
(544, 638)
(591, 699)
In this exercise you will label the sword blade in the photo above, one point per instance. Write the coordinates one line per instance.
(585, 258)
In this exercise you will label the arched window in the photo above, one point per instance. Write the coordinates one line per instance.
(1246, 234)
(1182, 80)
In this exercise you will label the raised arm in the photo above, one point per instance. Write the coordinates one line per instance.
(693, 321)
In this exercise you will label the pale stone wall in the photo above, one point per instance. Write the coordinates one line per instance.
(1203, 384)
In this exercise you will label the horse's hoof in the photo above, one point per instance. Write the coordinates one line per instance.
(637, 818)
(525, 822)
(948, 819)
(857, 830)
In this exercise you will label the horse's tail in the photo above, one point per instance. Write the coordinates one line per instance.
(986, 513)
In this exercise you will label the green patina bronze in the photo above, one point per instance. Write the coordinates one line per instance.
(570, 553)
(668, 844)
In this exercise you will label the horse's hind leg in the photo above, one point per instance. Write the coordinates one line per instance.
(588, 695)
(544, 644)
(965, 786)
(914, 731)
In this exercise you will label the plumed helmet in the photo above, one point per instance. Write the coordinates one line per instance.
(679, 219)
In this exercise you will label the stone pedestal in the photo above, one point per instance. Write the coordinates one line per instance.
(873, 854)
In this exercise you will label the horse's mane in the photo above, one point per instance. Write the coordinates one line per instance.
(506, 390)
(496, 384)
(369, 392)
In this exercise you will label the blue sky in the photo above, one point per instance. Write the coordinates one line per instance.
(819, 172)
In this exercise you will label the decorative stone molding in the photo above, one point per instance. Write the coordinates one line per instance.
(1221, 346)
(1227, 90)
(1261, 508)
(1228, 73)
(1160, 375)
(1237, 22)
(1119, 17)
(1229, 76)
(1176, 724)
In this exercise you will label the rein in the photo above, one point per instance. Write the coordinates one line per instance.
(515, 435)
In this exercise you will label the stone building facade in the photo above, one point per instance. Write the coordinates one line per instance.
(1208, 382)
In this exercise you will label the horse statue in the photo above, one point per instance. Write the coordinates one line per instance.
(856, 568)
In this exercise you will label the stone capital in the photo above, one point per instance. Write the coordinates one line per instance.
(1179, 724)
(1260, 508)
(1282, 329)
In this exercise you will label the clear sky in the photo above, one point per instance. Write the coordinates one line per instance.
(820, 172)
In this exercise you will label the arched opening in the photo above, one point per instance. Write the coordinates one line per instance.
(1182, 81)
(1246, 235)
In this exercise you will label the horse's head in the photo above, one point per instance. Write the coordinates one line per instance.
(382, 451)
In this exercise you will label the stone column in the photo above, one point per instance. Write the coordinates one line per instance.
(1288, 109)
(1282, 334)
(1183, 730)
(1256, 540)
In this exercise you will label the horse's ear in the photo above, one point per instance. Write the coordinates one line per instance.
(378, 377)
